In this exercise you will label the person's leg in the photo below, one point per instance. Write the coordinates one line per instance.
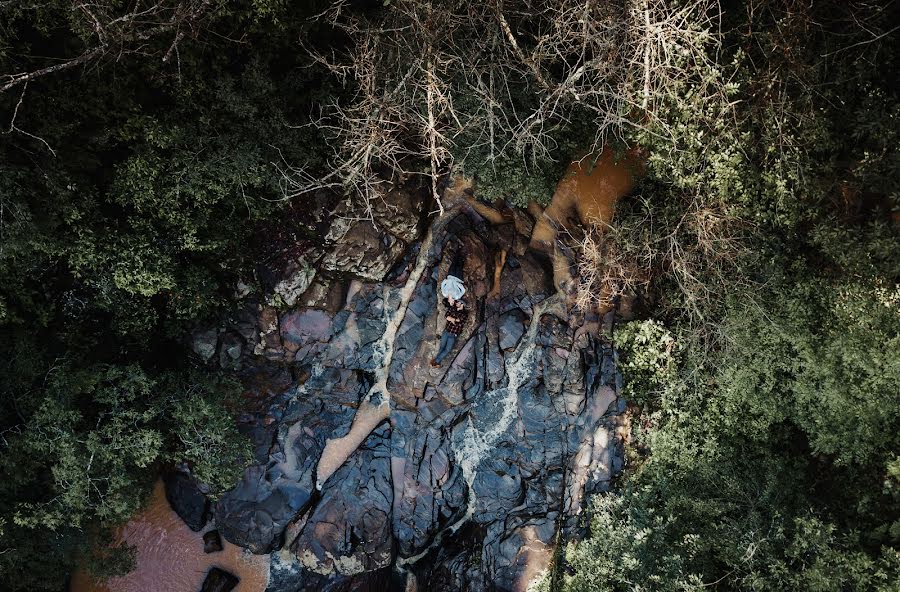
(451, 341)
(448, 340)
(436, 360)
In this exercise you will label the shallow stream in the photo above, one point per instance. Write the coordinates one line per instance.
(170, 556)
(588, 192)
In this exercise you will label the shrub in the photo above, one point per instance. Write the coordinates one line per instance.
(648, 359)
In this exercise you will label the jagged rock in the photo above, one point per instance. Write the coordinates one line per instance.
(296, 279)
(288, 574)
(219, 580)
(230, 349)
(186, 498)
(481, 461)
(429, 488)
(523, 222)
(305, 332)
(399, 211)
(280, 486)
(326, 294)
(361, 250)
(498, 487)
(269, 339)
(511, 329)
(242, 290)
(204, 343)
(349, 531)
(212, 542)
(244, 323)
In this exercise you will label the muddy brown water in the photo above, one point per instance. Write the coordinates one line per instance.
(170, 556)
(588, 193)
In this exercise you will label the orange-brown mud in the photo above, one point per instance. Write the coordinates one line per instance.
(588, 194)
(170, 556)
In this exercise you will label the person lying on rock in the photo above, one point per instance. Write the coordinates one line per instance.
(453, 290)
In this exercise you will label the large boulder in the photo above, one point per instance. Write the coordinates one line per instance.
(286, 574)
(362, 249)
(212, 542)
(186, 497)
(204, 343)
(230, 350)
(399, 212)
(325, 293)
(349, 531)
(295, 280)
(281, 485)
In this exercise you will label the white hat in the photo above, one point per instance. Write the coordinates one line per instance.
(453, 287)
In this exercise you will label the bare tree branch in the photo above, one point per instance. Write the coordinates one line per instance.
(12, 123)
(124, 34)
(502, 76)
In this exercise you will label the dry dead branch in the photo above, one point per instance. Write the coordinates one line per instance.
(114, 34)
(503, 75)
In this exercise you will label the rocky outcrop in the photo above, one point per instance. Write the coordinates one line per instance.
(348, 532)
(367, 248)
(204, 343)
(466, 480)
(400, 213)
(281, 486)
(295, 281)
(360, 249)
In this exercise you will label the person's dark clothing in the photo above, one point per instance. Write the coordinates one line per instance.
(456, 316)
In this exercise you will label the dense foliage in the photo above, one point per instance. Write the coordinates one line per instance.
(766, 445)
(133, 186)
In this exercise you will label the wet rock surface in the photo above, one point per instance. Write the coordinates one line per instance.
(187, 498)
(219, 580)
(349, 530)
(212, 542)
(478, 464)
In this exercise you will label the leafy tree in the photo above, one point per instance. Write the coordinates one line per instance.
(764, 224)
(136, 179)
(647, 357)
(84, 460)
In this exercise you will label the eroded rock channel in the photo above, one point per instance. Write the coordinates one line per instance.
(375, 471)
